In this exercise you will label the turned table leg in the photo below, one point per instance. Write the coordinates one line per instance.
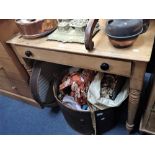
(136, 84)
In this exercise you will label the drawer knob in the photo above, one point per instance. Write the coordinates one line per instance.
(28, 53)
(104, 66)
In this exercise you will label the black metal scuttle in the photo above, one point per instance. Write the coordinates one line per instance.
(41, 82)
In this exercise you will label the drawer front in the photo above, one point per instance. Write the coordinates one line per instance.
(151, 122)
(5, 83)
(11, 69)
(1, 50)
(13, 85)
(94, 63)
(11, 64)
(3, 54)
(22, 88)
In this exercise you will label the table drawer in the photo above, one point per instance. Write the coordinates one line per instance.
(3, 54)
(11, 69)
(5, 82)
(150, 124)
(13, 85)
(83, 61)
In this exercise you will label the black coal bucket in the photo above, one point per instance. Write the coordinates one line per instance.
(81, 121)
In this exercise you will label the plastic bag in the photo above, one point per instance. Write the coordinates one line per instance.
(93, 95)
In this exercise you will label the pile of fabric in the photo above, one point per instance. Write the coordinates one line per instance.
(81, 87)
(74, 87)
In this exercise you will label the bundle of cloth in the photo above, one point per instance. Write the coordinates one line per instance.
(82, 86)
(75, 86)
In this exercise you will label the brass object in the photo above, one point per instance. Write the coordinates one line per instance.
(34, 28)
(71, 30)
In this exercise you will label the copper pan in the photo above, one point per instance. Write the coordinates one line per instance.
(122, 44)
(34, 28)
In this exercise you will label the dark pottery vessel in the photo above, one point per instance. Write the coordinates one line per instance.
(124, 32)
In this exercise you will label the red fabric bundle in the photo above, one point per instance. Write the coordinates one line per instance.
(77, 84)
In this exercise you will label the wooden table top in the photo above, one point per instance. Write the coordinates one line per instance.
(140, 51)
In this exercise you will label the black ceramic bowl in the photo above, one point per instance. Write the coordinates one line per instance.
(123, 32)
